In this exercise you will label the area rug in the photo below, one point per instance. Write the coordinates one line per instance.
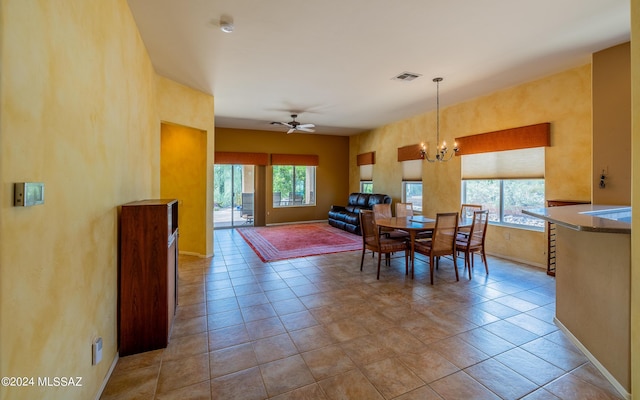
(272, 243)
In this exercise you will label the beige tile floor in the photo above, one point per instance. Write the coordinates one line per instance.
(318, 328)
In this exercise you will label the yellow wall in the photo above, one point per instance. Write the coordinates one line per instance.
(612, 125)
(181, 105)
(563, 99)
(332, 175)
(635, 198)
(80, 110)
(183, 165)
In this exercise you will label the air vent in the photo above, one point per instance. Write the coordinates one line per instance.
(406, 76)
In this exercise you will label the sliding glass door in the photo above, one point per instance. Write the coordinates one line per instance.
(233, 193)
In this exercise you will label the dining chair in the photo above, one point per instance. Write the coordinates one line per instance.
(384, 211)
(466, 210)
(373, 241)
(466, 214)
(404, 210)
(474, 241)
(442, 243)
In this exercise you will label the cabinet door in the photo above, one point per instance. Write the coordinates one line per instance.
(147, 275)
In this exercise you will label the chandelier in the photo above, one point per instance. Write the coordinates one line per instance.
(442, 151)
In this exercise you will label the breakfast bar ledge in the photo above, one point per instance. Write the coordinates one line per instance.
(593, 272)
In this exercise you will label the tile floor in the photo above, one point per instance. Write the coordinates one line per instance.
(318, 328)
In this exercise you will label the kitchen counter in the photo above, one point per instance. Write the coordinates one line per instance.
(593, 273)
(587, 217)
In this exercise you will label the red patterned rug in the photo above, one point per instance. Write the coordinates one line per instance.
(281, 242)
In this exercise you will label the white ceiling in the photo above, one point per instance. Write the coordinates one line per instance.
(331, 61)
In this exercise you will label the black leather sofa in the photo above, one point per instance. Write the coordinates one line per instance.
(347, 217)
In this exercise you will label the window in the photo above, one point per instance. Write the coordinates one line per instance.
(366, 187)
(505, 199)
(412, 193)
(294, 185)
(505, 182)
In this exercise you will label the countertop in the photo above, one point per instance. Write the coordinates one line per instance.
(571, 217)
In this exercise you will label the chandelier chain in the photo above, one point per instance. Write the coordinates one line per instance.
(441, 149)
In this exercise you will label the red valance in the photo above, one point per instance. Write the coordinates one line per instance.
(311, 160)
(367, 158)
(230, 157)
(411, 152)
(524, 137)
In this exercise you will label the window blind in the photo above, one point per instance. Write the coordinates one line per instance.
(366, 172)
(509, 164)
(412, 170)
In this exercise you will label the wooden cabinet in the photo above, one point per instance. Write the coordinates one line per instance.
(147, 275)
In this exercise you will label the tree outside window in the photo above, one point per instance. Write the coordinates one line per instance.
(506, 198)
(366, 187)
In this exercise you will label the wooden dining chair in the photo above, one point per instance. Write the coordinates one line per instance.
(474, 241)
(466, 214)
(404, 210)
(384, 211)
(466, 210)
(373, 241)
(442, 243)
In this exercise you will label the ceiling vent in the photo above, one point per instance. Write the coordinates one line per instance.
(406, 76)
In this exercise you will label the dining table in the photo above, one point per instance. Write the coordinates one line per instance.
(413, 225)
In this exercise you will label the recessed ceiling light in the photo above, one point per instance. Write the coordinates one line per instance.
(226, 27)
(226, 24)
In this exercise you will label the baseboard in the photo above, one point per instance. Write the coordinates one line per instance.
(298, 222)
(190, 253)
(518, 260)
(107, 377)
(594, 360)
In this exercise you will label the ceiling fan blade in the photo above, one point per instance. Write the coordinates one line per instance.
(282, 123)
(291, 130)
(304, 129)
(308, 126)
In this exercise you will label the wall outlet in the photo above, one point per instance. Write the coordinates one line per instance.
(96, 351)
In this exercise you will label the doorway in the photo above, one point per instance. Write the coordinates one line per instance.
(233, 195)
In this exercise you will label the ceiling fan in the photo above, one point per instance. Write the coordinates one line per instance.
(294, 125)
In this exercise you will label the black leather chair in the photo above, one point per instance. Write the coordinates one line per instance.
(348, 218)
